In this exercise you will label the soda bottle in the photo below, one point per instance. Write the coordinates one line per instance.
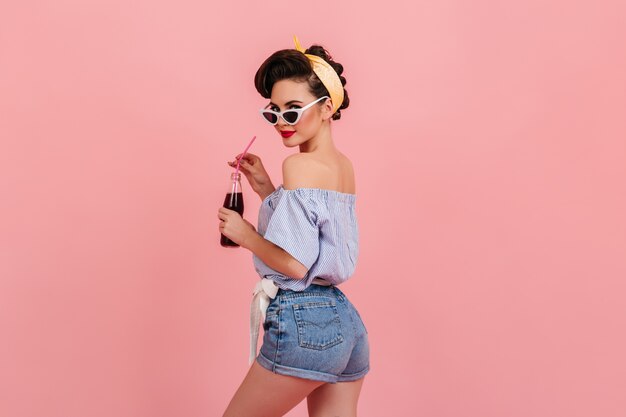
(233, 201)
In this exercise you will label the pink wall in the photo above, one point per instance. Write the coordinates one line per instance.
(489, 144)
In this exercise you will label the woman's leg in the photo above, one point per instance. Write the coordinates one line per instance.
(266, 394)
(338, 399)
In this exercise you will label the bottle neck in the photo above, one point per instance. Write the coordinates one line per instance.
(235, 183)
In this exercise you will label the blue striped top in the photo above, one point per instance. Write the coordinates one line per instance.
(317, 227)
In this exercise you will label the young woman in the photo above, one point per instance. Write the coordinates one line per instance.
(315, 344)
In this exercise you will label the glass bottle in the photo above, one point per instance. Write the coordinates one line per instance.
(233, 201)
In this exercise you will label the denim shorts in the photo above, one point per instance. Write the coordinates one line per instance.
(314, 334)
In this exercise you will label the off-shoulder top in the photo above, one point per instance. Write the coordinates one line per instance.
(318, 227)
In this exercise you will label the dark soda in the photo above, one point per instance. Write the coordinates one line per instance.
(232, 202)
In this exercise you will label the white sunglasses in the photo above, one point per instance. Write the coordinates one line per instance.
(290, 116)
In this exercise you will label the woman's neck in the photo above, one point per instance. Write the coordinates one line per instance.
(322, 142)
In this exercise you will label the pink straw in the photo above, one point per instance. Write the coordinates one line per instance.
(244, 152)
(234, 190)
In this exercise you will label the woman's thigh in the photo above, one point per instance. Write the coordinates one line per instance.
(338, 399)
(266, 394)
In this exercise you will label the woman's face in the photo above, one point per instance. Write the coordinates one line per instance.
(290, 94)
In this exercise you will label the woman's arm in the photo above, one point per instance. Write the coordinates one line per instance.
(274, 256)
(242, 232)
(266, 191)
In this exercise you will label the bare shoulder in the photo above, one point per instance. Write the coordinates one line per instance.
(348, 180)
(332, 172)
(302, 170)
(347, 164)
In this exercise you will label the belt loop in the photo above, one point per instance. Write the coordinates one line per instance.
(340, 295)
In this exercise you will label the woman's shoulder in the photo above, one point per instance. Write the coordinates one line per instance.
(304, 170)
(307, 161)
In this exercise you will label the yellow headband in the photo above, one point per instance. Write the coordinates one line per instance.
(327, 75)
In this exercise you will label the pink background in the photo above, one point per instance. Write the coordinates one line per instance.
(489, 144)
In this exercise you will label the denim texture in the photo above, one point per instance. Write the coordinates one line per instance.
(314, 334)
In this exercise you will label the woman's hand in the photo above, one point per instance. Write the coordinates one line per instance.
(235, 227)
(255, 173)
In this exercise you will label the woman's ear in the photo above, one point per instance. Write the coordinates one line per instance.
(327, 109)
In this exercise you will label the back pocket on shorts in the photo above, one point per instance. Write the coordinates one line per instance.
(319, 326)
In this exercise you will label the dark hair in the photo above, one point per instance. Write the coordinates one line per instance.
(292, 64)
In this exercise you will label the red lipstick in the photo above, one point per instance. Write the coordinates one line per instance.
(287, 133)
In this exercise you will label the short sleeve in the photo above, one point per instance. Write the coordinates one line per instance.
(293, 226)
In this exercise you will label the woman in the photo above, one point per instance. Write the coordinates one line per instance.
(315, 344)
